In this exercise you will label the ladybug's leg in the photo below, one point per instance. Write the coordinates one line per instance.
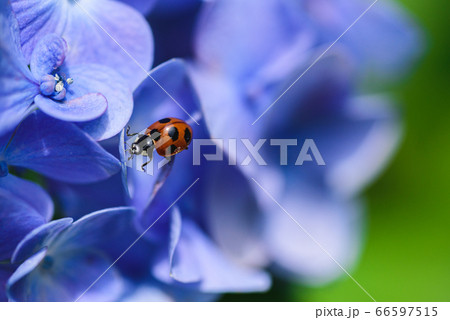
(150, 158)
(128, 132)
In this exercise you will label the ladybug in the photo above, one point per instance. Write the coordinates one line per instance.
(168, 136)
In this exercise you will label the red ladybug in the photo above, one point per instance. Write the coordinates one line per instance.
(168, 136)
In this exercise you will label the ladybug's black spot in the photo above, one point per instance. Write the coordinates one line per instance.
(171, 149)
(155, 135)
(187, 135)
(165, 120)
(173, 133)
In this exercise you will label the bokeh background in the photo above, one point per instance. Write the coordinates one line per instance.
(406, 256)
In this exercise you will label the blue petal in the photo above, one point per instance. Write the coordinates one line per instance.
(98, 230)
(233, 216)
(100, 79)
(143, 6)
(43, 144)
(386, 41)
(146, 293)
(48, 55)
(39, 238)
(16, 89)
(195, 260)
(320, 93)
(6, 270)
(25, 206)
(321, 108)
(79, 200)
(123, 159)
(76, 257)
(335, 224)
(17, 286)
(64, 277)
(84, 108)
(132, 59)
(368, 135)
(173, 7)
(229, 39)
(76, 22)
(17, 219)
(37, 19)
(182, 268)
(32, 194)
(225, 112)
(152, 103)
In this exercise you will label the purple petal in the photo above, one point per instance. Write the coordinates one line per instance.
(18, 294)
(76, 22)
(43, 143)
(233, 215)
(16, 89)
(77, 255)
(78, 200)
(369, 135)
(37, 19)
(84, 108)
(194, 259)
(334, 224)
(224, 110)
(320, 93)
(59, 276)
(32, 194)
(39, 238)
(182, 268)
(386, 41)
(6, 270)
(48, 55)
(229, 39)
(133, 34)
(96, 230)
(103, 80)
(146, 293)
(173, 7)
(152, 103)
(143, 6)
(20, 212)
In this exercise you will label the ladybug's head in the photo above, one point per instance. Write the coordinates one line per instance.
(135, 149)
(142, 143)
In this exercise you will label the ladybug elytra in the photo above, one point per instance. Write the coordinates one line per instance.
(168, 136)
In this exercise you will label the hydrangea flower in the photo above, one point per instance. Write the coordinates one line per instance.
(37, 144)
(61, 259)
(194, 259)
(70, 92)
(227, 230)
(185, 259)
(238, 74)
(110, 23)
(24, 207)
(42, 143)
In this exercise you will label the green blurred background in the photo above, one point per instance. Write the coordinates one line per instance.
(406, 256)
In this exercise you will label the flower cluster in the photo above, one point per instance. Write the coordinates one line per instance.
(77, 224)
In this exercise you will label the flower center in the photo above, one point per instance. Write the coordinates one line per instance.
(55, 86)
